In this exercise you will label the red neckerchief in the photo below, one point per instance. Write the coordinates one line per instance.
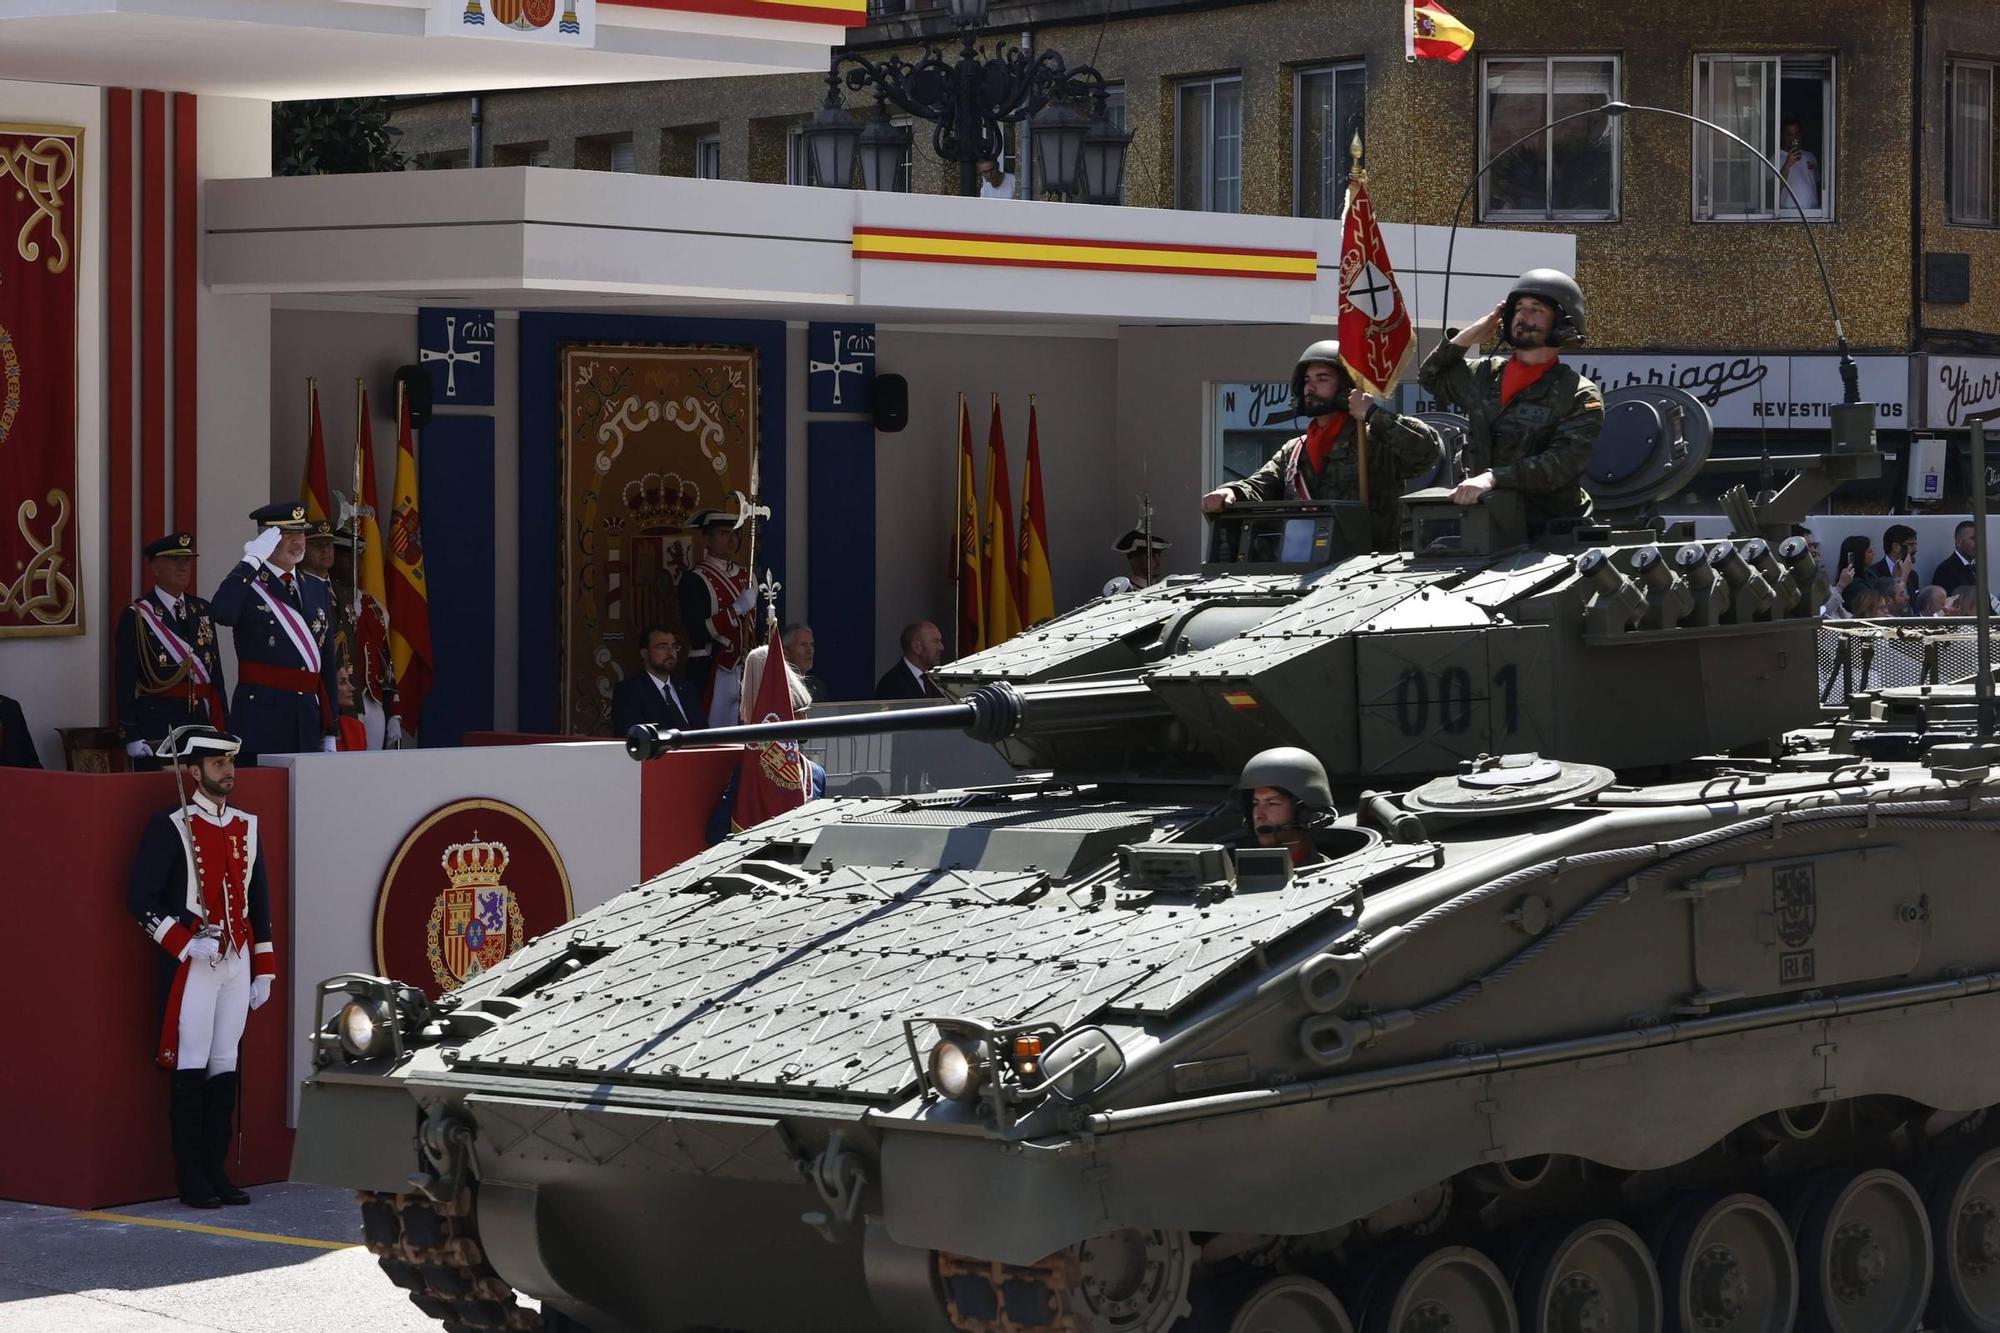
(1320, 438)
(1517, 375)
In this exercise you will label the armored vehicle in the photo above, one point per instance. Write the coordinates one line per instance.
(1619, 992)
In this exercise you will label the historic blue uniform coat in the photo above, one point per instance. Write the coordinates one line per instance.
(276, 709)
(156, 690)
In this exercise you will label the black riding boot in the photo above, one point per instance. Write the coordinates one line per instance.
(218, 1128)
(184, 1119)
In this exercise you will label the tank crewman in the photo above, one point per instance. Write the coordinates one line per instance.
(1144, 553)
(285, 665)
(1285, 794)
(1323, 463)
(718, 612)
(1533, 421)
(199, 891)
(169, 666)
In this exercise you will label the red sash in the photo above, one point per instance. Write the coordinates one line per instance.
(289, 678)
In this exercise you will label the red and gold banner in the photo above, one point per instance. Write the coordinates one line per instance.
(41, 190)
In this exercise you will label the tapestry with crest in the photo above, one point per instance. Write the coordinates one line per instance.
(651, 435)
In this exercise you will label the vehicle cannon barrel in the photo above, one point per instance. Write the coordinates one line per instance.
(993, 712)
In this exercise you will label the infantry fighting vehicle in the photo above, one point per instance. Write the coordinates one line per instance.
(1621, 995)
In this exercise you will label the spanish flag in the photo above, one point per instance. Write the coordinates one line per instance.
(965, 546)
(1003, 603)
(1431, 33)
(1038, 594)
(409, 593)
(371, 610)
(315, 494)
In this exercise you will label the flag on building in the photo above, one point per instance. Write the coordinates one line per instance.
(1431, 33)
(1038, 594)
(316, 496)
(1374, 324)
(371, 608)
(1002, 591)
(771, 778)
(409, 593)
(965, 545)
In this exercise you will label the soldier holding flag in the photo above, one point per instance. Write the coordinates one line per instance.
(717, 610)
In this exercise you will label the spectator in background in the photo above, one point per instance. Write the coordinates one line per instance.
(1864, 601)
(800, 653)
(1899, 556)
(1852, 564)
(1930, 601)
(1800, 166)
(1955, 570)
(910, 678)
(353, 733)
(1965, 600)
(653, 696)
(1895, 597)
(1812, 542)
(995, 183)
(17, 746)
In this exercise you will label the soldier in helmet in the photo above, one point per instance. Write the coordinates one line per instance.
(1533, 420)
(1323, 463)
(1285, 794)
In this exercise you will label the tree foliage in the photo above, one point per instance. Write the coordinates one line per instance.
(334, 137)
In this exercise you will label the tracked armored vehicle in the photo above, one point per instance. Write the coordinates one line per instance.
(1621, 995)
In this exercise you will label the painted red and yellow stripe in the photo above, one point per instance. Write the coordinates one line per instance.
(839, 13)
(1115, 256)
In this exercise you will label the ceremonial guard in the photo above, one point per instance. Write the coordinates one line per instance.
(199, 891)
(1143, 554)
(169, 666)
(283, 622)
(718, 612)
(366, 626)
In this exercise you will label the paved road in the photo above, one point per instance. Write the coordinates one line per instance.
(293, 1264)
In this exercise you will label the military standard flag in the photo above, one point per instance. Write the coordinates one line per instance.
(315, 495)
(1431, 33)
(1038, 594)
(965, 545)
(409, 592)
(772, 776)
(1003, 602)
(1374, 324)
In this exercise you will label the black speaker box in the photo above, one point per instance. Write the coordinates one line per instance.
(891, 402)
(416, 386)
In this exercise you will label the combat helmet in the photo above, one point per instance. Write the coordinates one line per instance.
(1325, 352)
(1558, 290)
(1294, 772)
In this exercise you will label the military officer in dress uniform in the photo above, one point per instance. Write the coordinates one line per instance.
(169, 666)
(287, 672)
(718, 610)
(1532, 420)
(1324, 463)
(199, 891)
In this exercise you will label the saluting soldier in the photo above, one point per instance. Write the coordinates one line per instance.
(168, 661)
(1325, 462)
(286, 669)
(199, 891)
(718, 612)
(1533, 421)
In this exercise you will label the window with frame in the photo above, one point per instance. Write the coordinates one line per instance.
(1972, 151)
(1783, 106)
(798, 162)
(1328, 110)
(902, 183)
(1208, 144)
(708, 157)
(1567, 174)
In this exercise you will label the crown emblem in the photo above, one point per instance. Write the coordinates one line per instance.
(475, 864)
(662, 502)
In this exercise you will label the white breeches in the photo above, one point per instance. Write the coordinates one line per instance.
(728, 697)
(215, 1003)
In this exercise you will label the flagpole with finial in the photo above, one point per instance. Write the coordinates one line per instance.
(958, 449)
(1357, 175)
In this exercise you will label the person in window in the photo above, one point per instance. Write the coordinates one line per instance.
(1801, 167)
(995, 183)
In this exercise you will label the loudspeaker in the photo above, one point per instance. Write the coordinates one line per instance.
(416, 382)
(891, 402)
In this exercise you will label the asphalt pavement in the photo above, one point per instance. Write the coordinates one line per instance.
(290, 1261)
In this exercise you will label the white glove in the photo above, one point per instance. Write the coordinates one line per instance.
(260, 990)
(201, 947)
(392, 733)
(260, 547)
(744, 601)
(329, 744)
(138, 750)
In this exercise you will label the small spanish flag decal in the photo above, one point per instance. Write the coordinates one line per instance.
(1239, 698)
(1010, 251)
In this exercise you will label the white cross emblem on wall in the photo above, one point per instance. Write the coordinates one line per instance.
(838, 366)
(452, 354)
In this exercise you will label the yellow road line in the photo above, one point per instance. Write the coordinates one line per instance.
(207, 1230)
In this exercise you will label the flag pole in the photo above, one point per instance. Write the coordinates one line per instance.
(958, 444)
(1357, 176)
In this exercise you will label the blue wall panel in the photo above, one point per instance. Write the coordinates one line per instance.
(840, 554)
(455, 485)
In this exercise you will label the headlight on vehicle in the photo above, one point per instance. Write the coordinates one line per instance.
(365, 1028)
(959, 1065)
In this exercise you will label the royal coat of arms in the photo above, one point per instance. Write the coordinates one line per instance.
(475, 922)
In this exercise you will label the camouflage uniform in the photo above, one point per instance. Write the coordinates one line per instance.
(1399, 447)
(1538, 444)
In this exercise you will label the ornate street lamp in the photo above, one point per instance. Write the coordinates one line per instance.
(968, 98)
(1104, 146)
(884, 147)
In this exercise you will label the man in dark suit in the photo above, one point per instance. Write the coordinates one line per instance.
(1955, 570)
(653, 696)
(169, 669)
(286, 667)
(910, 678)
(17, 746)
(1899, 556)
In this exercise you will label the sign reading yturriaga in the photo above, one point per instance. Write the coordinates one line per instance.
(455, 348)
(840, 367)
(1957, 388)
(550, 22)
(41, 187)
